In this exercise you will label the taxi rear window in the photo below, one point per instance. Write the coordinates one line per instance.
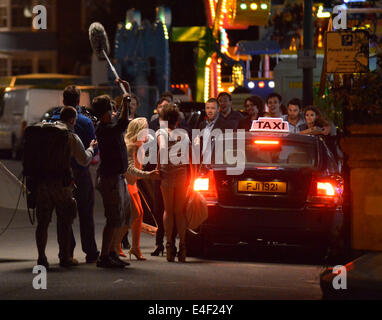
(286, 153)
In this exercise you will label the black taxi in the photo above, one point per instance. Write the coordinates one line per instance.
(289, 191)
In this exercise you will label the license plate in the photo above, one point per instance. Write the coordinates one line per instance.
(262, 186)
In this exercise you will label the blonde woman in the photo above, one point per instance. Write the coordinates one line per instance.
(136, 135)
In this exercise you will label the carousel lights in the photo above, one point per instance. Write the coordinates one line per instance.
(206, 81)
(212, 9)
(223, 12)
(321, 13)
(320, 44)
(224, 40)
(253, 6)
(264, 6)
(219, 72)
(165, 31)
(243, 6)
(237, 75)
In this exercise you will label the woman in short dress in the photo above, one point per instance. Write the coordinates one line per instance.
(135, 136)
(174, 180)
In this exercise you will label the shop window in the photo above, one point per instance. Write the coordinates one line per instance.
(21, 66)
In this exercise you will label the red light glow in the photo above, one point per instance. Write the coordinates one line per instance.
(201, 184)
(206, 185)
(325, 189)
(267, 142)
(261, 84)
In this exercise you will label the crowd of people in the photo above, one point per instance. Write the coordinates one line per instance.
(122, 179)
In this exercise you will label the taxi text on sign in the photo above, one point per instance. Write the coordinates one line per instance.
(347, 51)
(270, 124)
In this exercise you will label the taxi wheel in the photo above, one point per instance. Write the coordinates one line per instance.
(336, 252)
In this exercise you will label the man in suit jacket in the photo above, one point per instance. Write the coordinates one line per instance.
(213, 121)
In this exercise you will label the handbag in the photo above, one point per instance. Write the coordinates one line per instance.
(196, 206)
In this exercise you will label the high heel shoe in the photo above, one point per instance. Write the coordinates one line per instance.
(170, 252)
(159, 249)
(121, 253)
(182, 253)
(137, 255)
(125, 242)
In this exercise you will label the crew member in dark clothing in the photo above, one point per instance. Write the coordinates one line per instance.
(155, 122)
(84, 192)
(231, 117)
(112, 168)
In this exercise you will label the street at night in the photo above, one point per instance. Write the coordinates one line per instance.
(199, 154)
(232, 273)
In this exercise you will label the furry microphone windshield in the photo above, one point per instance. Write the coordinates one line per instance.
(98, 40)
(100, 44)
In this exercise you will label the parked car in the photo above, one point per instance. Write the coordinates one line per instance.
(23, 107)
(290, 192)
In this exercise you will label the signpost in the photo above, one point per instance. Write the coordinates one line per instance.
(347, 51)
(306, 59)
(307, 71)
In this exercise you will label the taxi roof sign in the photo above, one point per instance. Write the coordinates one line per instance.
(270, 125)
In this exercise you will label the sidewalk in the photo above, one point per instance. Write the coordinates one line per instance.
(364, 279)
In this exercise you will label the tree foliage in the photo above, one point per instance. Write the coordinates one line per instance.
(358, 96)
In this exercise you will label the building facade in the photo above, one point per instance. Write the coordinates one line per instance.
(24, 49)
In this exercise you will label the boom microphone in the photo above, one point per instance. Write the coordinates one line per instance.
(99, 40)
(100, 45)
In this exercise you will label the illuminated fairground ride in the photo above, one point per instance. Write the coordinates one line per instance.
(142, 51)
(281, 37)
(213, 43)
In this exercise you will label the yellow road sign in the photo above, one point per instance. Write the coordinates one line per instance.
(347, 51)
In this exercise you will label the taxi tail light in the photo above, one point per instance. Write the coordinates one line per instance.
(326, 192)
(267, 142)
(206, 185)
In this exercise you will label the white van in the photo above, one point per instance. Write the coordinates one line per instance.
(23, 107)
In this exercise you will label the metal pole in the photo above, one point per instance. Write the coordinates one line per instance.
(308, 44)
